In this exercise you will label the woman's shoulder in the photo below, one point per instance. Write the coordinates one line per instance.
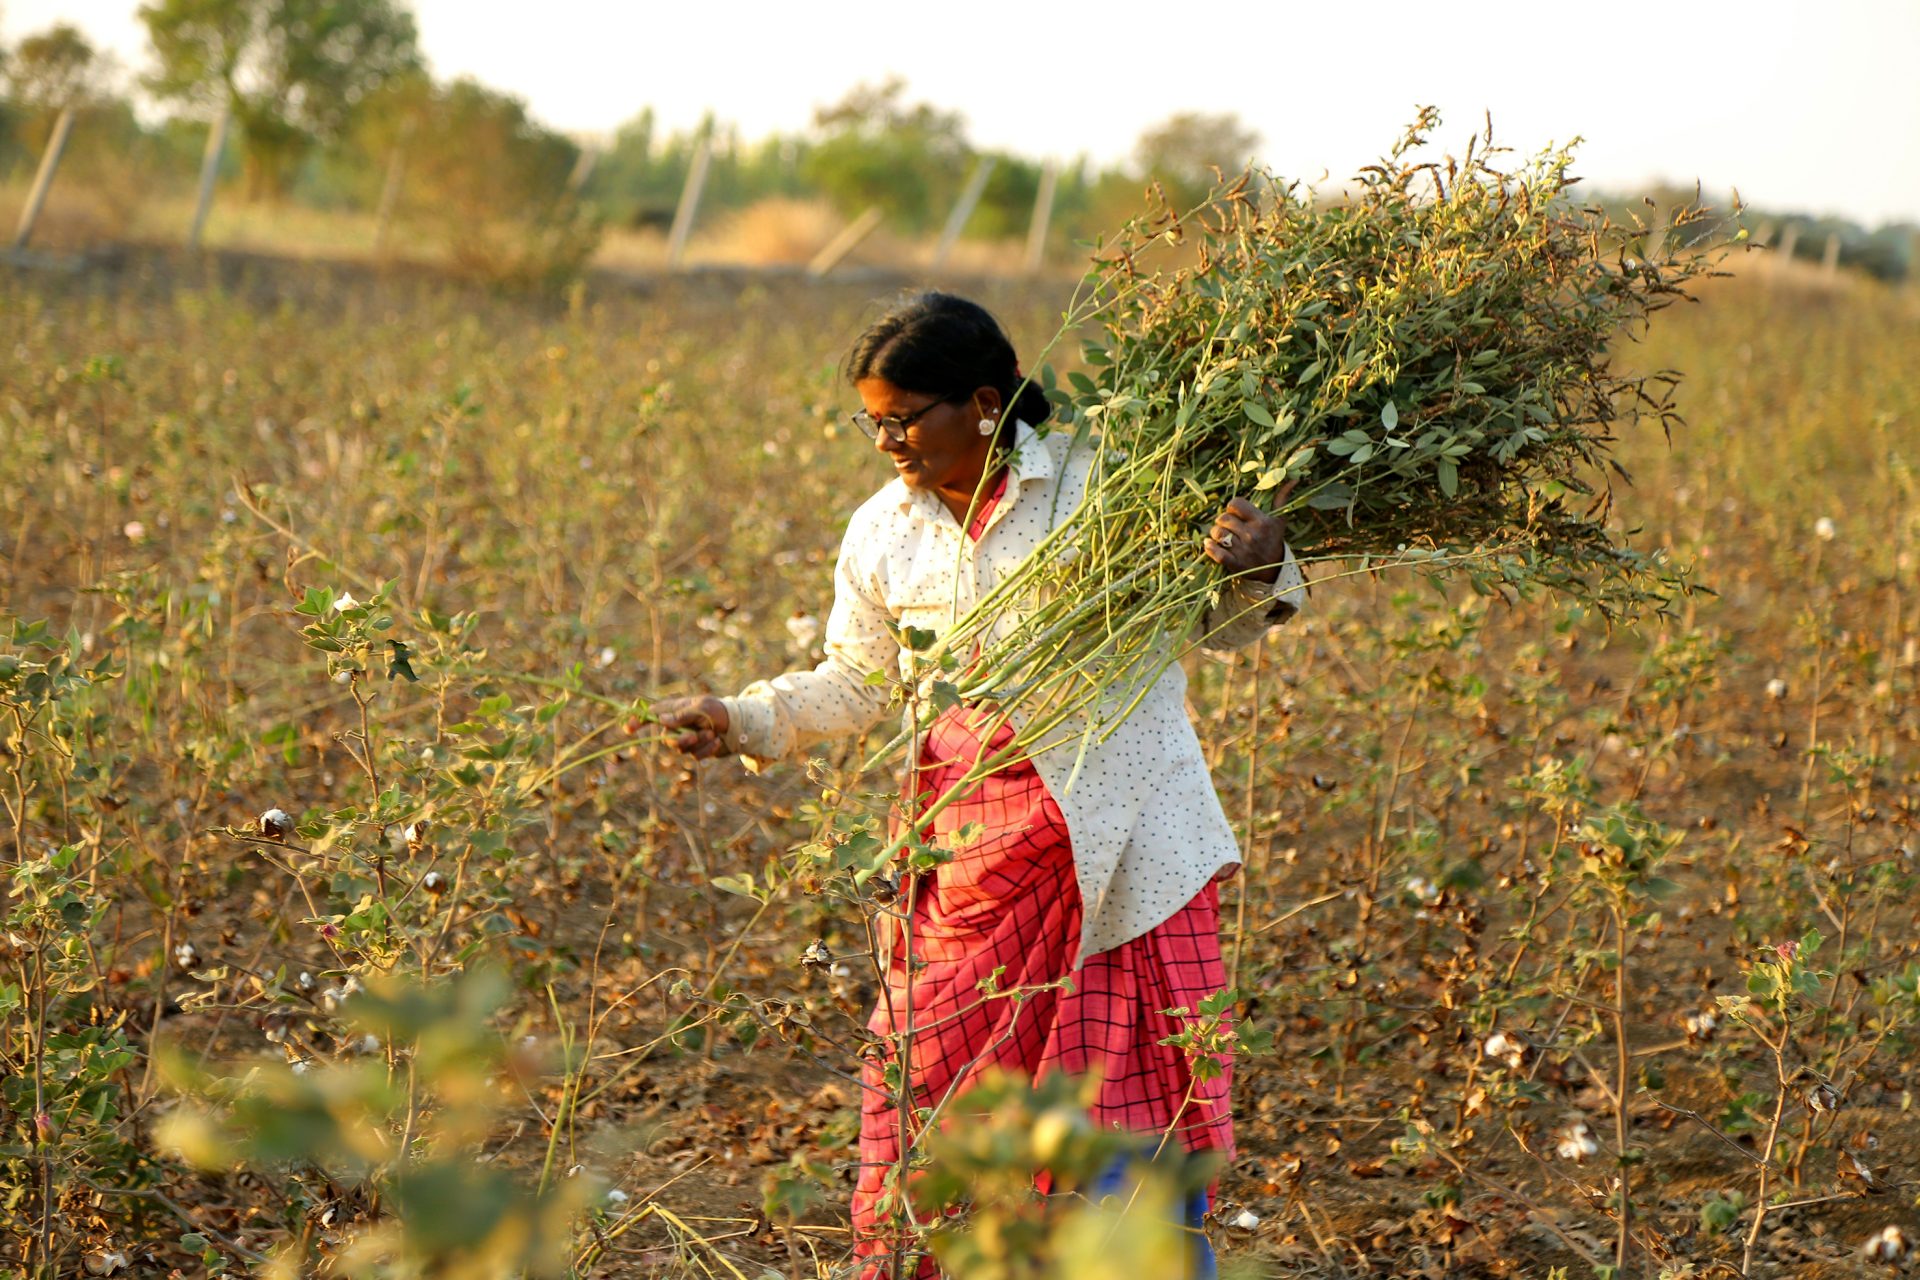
(887, 513)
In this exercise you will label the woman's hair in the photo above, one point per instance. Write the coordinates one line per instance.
(940, 345)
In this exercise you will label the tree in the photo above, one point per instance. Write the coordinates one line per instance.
(53, 70)
(1183, 151)
(484, 178)
(875, 149)
(291, 71)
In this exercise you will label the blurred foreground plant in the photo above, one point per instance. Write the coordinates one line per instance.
(386, 1153)
(982, 1177)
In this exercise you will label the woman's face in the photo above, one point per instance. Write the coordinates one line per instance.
(944, 448)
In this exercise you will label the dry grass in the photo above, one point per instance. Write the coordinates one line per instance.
(75, 218)
(773, 233)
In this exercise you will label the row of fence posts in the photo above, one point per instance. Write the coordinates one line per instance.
(684, 213)
(1763, 238)
(1829, 256)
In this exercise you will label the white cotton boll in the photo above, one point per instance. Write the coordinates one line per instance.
(330, 999)
(804, 630)
(343, 677)
(1889, 1244)
(1245, 1220)
(1424, 889)
(134, 531)
(304, 981)
(1824, 529)
(605, 658)
(1701, 1026)
(1505, 1048)
(368, 1045)
(1577, 1143)
(344, 601)
(275, 824)
(616, 1197)
(1776, 688)
(301, 1067)
(186, 955)
(105, 1262)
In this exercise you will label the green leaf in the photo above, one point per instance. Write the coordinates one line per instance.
(398, 663)
(1449, 477)
(1257, 414)
(1390, 416)
(742, 884)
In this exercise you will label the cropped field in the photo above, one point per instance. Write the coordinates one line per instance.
(1501, 860)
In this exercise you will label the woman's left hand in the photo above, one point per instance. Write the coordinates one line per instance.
(1248, 542)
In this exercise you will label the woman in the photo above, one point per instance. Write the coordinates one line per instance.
(1109, 880)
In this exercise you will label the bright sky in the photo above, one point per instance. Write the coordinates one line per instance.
(1804, 106)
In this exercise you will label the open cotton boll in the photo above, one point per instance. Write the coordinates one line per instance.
(1889, 1244)
(1577, 1143)
(1505, 1049)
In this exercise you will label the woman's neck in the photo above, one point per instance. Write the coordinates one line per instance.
(960, 498)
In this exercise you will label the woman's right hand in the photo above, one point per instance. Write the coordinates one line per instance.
(704, 721)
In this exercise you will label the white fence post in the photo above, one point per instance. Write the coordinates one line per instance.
(843, 244)
(209, 170)
(389, 196)
(1042, 215)
(689, 203)
(582, 169)
(963, 210)
(43, 177)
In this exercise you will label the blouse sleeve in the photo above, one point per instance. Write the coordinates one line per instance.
(770, 719)
(1247, 608)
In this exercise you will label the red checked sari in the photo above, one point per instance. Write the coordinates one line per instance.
(1008, 900)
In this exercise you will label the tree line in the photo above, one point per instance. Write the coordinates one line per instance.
(332, 108)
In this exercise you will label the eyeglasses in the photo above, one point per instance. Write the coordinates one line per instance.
(895, 427)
